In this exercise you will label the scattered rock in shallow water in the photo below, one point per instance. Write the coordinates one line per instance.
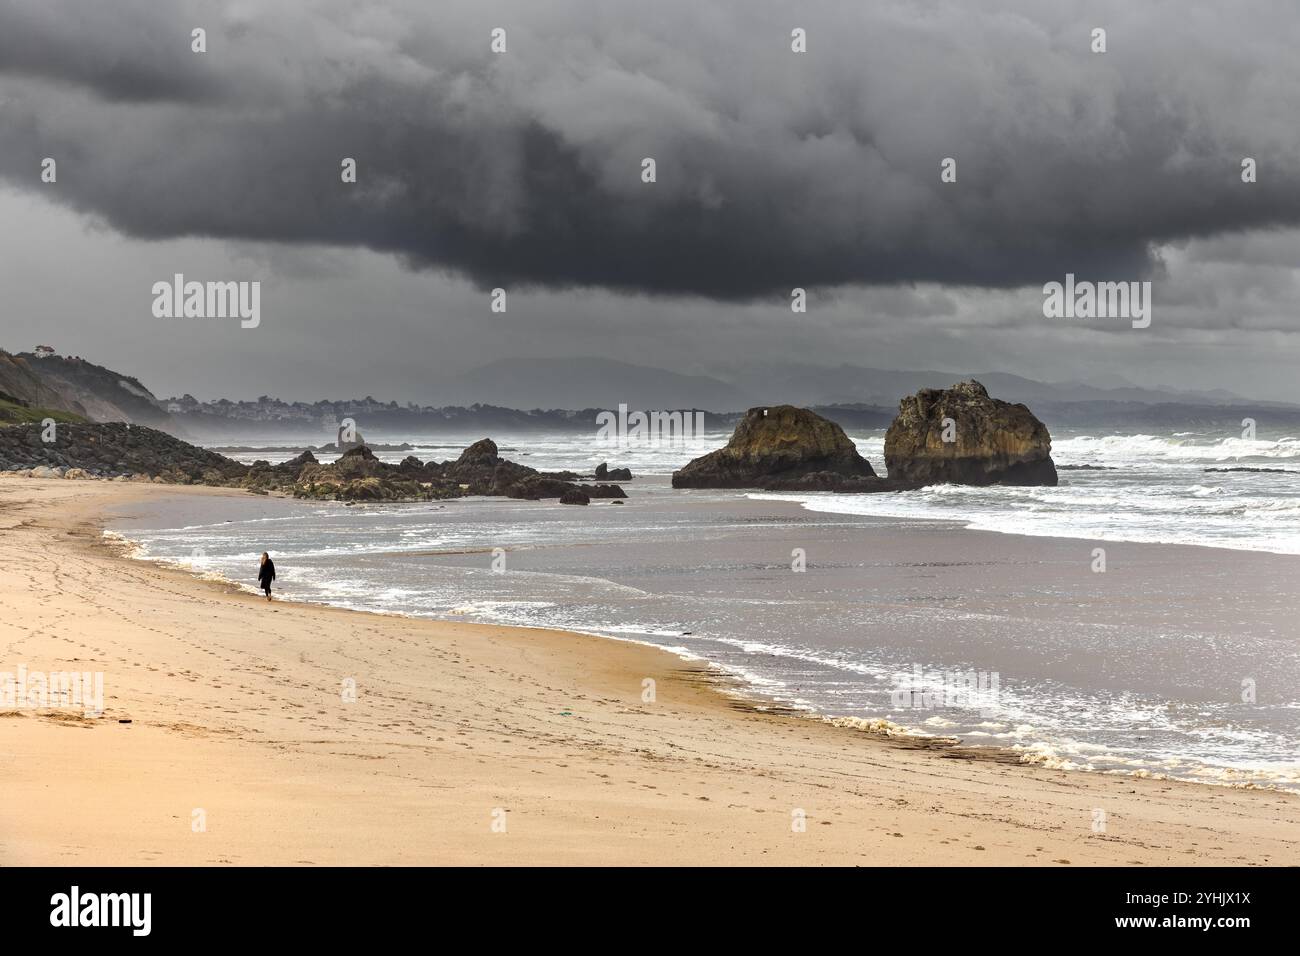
(574, 497)
(605, 473)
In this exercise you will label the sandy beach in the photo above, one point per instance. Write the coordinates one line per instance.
(473, 744)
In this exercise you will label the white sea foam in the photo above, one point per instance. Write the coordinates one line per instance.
(1142, 488)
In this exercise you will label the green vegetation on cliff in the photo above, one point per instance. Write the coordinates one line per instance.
(14, 412)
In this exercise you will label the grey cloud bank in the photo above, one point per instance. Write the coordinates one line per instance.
(775, 169)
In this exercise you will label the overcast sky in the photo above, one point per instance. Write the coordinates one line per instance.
(775, 169)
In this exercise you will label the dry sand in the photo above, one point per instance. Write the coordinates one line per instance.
(235, 709)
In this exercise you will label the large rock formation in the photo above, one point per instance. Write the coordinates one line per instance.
(991, 442)
(778, 443)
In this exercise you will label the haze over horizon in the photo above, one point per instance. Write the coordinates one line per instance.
(776, 170)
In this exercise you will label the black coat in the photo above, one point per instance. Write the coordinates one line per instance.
(266, 574)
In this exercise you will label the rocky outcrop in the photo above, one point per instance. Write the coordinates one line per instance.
(379, 488)
(534, 487)
(605, 473)
(960, 435)
(574, 497)
(358, 475)
(125, 451)
(602, 491)
(773, 444)
(482, 454)
(297, 463)
(480, 470)
(114, 450)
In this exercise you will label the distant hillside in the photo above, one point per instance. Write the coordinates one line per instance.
(601, 383)
(817, 385)
(569, 394)
(79, 388)
(588, 383)
(235, 423)
(226, 422)
(19, 385)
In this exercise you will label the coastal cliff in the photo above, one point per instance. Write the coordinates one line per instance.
(78, 389)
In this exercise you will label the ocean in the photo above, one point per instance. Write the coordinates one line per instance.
(979, 613)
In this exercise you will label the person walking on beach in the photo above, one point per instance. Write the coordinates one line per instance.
(266, 574)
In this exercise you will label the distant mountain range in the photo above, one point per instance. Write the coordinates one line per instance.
(813, 385)
(534, 394)
(587, 383)
(602, 383)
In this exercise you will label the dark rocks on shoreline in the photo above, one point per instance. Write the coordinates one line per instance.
(777, 443)
(114, 450)
(130, 452)
(960, 435)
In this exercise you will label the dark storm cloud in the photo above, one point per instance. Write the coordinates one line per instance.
(775, 169)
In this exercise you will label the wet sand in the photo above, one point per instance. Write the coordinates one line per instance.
(235, 710)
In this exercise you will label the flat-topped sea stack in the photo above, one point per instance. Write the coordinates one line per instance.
(775, 444)
(988, 442)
